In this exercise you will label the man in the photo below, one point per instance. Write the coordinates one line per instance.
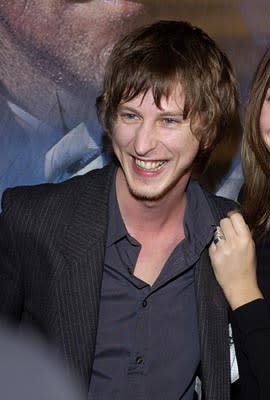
(113, 266)
(52, 62)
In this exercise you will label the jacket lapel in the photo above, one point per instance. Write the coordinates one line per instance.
(78, 289)
(214, 332)
(213, 317)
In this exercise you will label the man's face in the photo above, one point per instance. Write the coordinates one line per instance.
(69, 37)
(155, 147)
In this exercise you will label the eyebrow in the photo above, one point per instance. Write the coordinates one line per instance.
(172, 113)
(162, 113)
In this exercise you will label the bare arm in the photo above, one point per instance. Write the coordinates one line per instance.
(234, 262)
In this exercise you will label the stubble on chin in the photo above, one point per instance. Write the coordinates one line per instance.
(147, 195)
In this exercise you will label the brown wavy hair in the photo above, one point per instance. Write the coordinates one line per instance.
(157, 57)
(255, 156)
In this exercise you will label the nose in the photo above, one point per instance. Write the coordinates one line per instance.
(145, 139)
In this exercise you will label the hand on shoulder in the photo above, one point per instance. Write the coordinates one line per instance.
(234, 261)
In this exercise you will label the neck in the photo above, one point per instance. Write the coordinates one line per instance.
(61, 104)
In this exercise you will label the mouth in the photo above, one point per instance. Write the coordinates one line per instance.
(149, 165)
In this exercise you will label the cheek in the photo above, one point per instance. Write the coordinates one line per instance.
(119, 140)
(265, 125)
(191, 144)
(183, 141)
(122, 136)
(266, 140)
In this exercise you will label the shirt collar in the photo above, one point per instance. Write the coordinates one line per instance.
(199, 222)
(116, 227)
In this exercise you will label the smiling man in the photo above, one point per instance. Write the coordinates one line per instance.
(113, 266)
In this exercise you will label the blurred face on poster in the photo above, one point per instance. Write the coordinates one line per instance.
(69, 39)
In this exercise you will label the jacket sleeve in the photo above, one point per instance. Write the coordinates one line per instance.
(252, 342)
(11, 282)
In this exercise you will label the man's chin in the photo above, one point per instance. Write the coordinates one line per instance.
(147, 195)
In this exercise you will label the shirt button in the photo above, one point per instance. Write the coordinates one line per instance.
(144, 303)
(139, 360)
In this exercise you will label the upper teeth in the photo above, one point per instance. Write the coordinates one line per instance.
(149, 164)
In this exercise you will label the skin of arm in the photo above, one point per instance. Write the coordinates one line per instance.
(234, 262)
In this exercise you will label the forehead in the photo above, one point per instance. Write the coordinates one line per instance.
(174, 96)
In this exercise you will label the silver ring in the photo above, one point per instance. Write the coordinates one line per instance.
(218, 235)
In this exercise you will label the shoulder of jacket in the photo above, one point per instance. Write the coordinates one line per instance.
(50, 195)
(220, 205)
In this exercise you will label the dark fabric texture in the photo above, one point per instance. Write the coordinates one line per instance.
(135, 317)
(263, 265)
(52, 246)
(251, 324)
(251, 331)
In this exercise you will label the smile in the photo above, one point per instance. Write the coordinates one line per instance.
(149, 165)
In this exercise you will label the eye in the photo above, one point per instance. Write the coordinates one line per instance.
(128, 116)
(172, 121)
(169, 121)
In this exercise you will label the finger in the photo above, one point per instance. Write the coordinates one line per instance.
(218, 235)
(233, 212)
(228, 229)
(239, 224)
(212, 249)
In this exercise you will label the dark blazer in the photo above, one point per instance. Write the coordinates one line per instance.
(52, 245)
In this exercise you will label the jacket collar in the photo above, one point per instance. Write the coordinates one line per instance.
(89, 217)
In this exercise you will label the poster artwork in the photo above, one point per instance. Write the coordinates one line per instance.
(52, 60)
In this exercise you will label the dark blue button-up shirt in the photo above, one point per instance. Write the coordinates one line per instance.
(147, 344)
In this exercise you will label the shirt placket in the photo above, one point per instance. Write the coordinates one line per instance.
(138, 365)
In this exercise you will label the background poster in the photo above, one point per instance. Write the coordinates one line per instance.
(53, 54)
